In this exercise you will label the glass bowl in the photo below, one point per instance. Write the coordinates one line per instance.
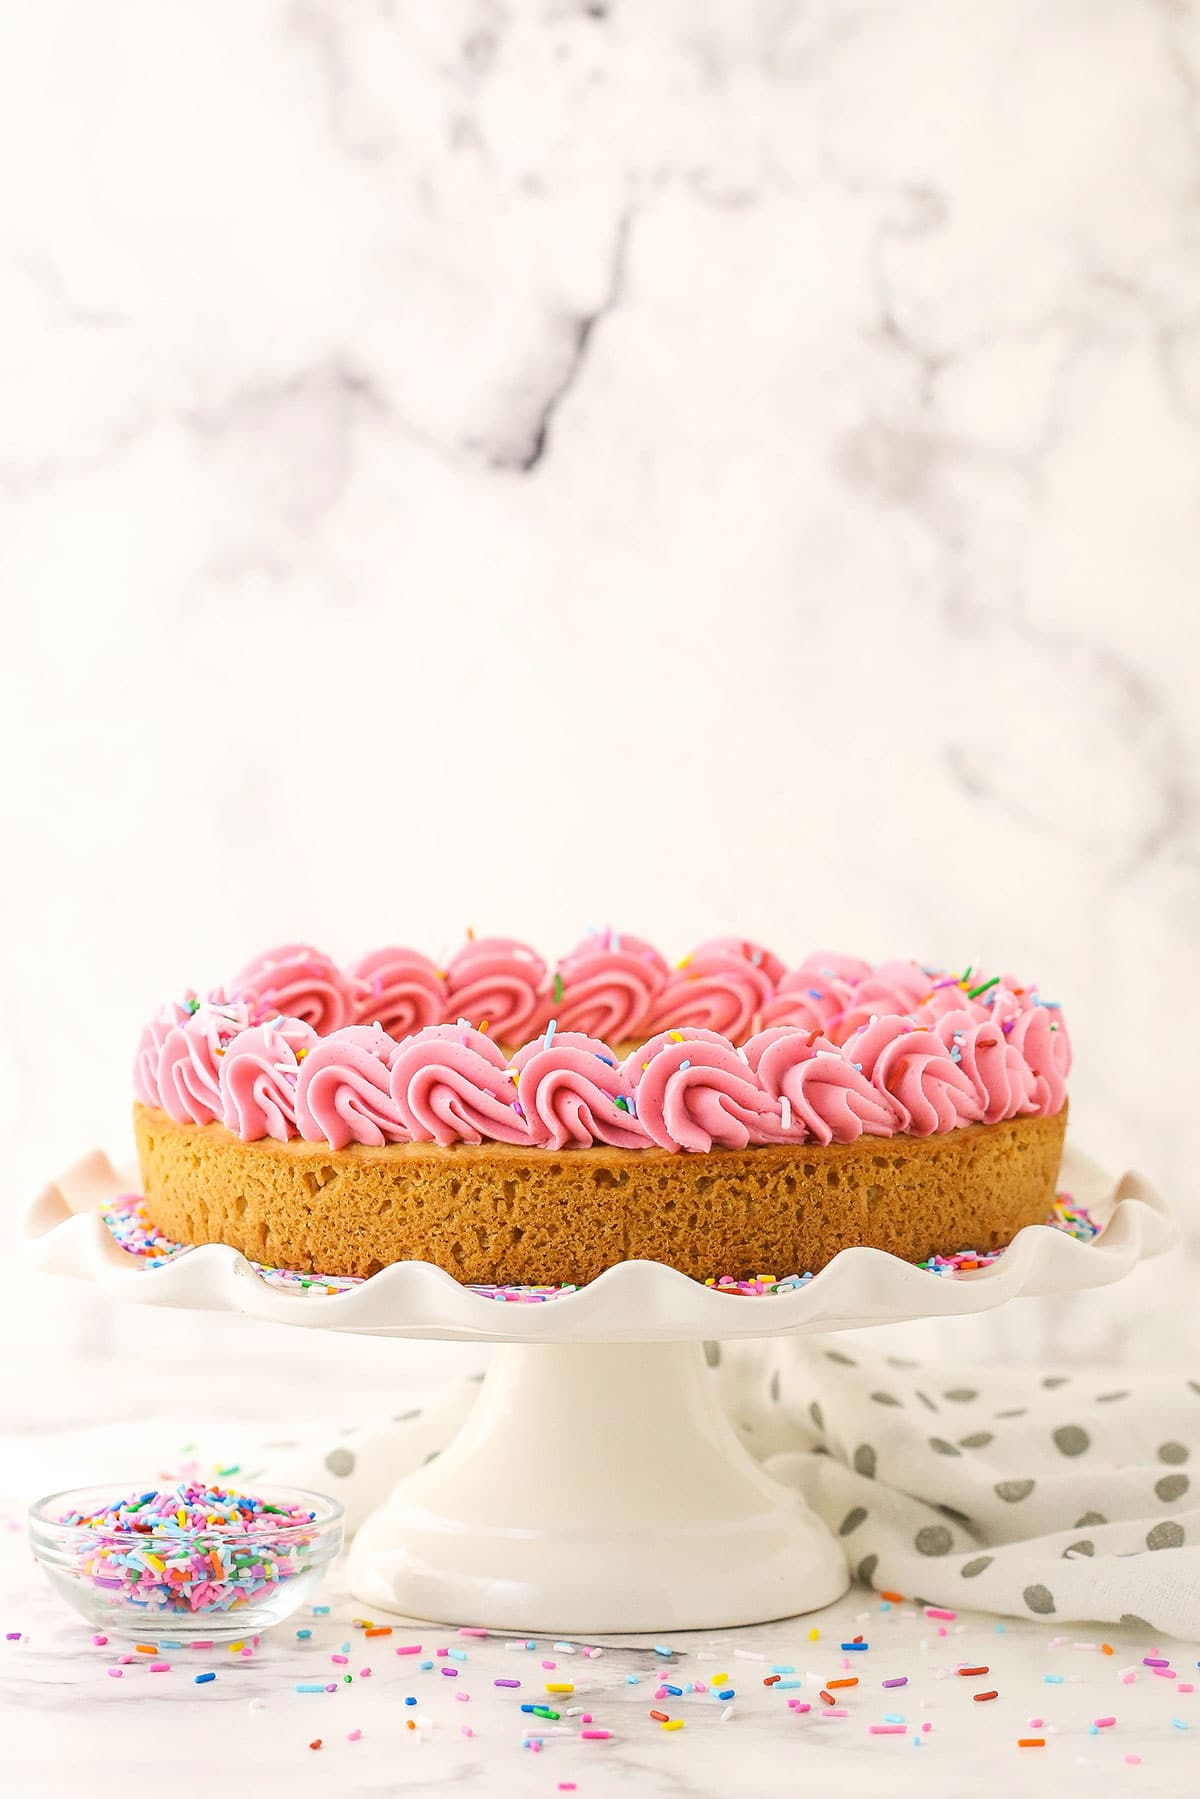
(212, 1582)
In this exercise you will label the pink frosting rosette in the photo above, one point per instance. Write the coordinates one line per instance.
(298, 981)
(149, 1051)
(1040, 1037)
(700, 1094)
(807, 999)
(712, 990)
(343, 1090)
(399, 989)
(757, 954)
(189, 1062)
(500, 982)
(451, 1084)
(609, 983)
(827, 1097)
(932, 1092)
(573, 1092)
(894, 989)
(1002, 1078)
(258, 1077)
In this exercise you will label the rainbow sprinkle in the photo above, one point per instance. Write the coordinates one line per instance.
(191, 1548)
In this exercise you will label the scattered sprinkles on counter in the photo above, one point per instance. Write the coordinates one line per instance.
(190, 1548)
(835, 1700)
(127, 1220)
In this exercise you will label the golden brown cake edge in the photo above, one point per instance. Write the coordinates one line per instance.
(505, 1215)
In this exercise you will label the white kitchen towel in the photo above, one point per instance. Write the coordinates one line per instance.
(1062, 1495)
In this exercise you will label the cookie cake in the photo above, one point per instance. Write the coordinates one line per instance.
(530, 1124)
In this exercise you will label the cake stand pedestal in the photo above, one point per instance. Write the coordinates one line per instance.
(598, 1486)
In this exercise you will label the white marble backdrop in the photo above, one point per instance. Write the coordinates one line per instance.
(537, 464)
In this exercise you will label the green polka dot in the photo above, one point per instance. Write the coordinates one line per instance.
(340, 1461)
(1167, 1535)
(773, 1387)
(839, 1355)
(978, 1439)
(712, 1354)
(854, 1517)
(1090, 1518)
(1039, 1599)
(1171, 1487)
(885, 1399)
(817, 1415)
(1171, 1452)
(866, 1569)
(961, 1395)
(1084, 1546)
(1013, 1490)
(1055, 1380)
(1071, 1439)
(934, 1539)
(940, 1446)
(864, 1461)
(976, 1565)
(1107, 1398)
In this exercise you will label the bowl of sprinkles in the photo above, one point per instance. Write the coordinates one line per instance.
(188, 1561)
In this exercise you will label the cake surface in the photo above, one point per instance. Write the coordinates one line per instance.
(769, 1119)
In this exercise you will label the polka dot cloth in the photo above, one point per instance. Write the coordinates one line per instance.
(1046, 1496)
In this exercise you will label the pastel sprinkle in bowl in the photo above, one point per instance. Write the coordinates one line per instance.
(185, 1562)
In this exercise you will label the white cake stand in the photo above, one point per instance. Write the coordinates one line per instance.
(597, 1486)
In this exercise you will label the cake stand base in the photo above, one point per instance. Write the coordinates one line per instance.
(596, 1488)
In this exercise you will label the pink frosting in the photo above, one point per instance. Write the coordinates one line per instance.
(573, 1092)
(894, 988)
(189, 1062)
(807, 998)
(258, 1076)
(609, 983)
(757, 954)
(1002, 1078)
(713, 990)
(399, 989)
(845, 1048)
(930, 1089)
(830, 1100)
(452, 1085)
(700, 1094)
(149, 1052)
(500, 982)
(1039, 1037)
(300, 982)
(343, 1092)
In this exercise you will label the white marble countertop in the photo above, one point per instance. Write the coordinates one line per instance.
(70, 1729)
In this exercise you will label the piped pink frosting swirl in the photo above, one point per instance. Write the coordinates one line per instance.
(932, 1092)
(829, 1099)
(149, 1052)
(399, 989)
(343, 1092)
(698, 1095)
(610, 982)
(712, 990)
(258, 1076)
(452, 1084)
(1002, 1078)
(298, 981)
(500, 982)
(573, 1092)
(189, 1062)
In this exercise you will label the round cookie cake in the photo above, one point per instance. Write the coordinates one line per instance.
(528, 1125)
